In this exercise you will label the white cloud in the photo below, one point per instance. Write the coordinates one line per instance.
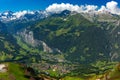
(56, 8)
(103, 9)
(111, 6)
(22, 13)
(91, 8)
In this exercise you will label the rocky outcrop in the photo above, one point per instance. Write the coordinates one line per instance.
(3, 68)
(28, 37)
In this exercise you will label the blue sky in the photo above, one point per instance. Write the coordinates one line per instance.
(16, 5)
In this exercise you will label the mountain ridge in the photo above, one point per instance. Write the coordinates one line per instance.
(38, 14)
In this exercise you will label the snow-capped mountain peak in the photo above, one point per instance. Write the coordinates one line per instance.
(7, 13)
(25, 14)
(22, 13)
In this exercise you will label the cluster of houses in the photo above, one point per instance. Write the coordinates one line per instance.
(62, 69)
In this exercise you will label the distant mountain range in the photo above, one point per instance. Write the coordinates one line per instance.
(26, 15)
(38, 14)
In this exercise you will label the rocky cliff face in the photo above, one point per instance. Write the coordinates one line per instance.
(28, 37)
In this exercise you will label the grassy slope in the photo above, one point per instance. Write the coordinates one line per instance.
(15, 71)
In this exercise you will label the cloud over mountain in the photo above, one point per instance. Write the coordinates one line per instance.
(60, 7)
(55, 8)
(111, 6)
(22, 13)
